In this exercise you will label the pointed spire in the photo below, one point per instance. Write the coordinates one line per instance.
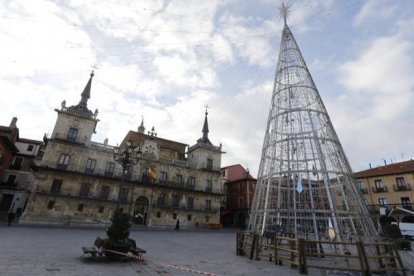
(86, 94)
(205, 127)
(81, 109)
(141, 128)
(205, 130)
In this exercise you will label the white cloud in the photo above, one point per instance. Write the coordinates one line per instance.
(374, 113)
(37, 40)
(375, 11)
(383, 72)
(250, 42)
(167, 59)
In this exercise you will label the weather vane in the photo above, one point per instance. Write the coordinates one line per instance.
(94, 67)
(284, 11)
(207, 107)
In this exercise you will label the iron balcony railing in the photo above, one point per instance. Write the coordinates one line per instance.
(173, 184)
(89, 170)
(79, 140)
(9, 184)
(379, 189)
(65, 137)
(15, 167)
(117, 174)
(406, 187)
(184, 208)
(375, 208)
(12, 187)
(363, 190)
(89, 197)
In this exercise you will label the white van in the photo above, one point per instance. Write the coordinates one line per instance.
(407, 227)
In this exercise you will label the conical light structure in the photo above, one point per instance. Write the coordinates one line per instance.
(305, 184)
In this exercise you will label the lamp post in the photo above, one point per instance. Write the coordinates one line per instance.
(127, 158)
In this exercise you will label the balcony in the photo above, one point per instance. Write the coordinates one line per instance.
(55, 192)
(83, 193)
(374, 209)
(398, 188)
(190, 186)
(122, 199)
(172, 184)
(71, 139)
(77, 197)
(159, 204)
(62, 167)
(108, 173)
(101, 146)
(116, 174)
(379, 189)
(103, 196)
(181, 163)
(184, 208)
(89, 170)
(127, 176)
(16, 167)
(363, 191)
(407, 206)
(9, 185)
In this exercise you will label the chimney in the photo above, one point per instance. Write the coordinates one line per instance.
(385, 162)
(13, 122)
(370, 166)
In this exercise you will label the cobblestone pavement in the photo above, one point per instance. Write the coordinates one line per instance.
(57, 251)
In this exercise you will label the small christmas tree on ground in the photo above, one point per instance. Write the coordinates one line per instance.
(118, 234)
(119, 229)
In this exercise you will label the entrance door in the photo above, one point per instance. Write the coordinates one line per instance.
(141, 210)
(240, 220)
(6, 201)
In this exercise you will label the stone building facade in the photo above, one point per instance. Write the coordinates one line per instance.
(388, 186)
(16, 177)
(79, 181)
(239, 186)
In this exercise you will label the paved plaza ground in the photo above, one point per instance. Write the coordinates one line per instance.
(57, 251)
(28, 250)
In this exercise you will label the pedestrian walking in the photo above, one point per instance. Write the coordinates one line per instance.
(11, 215)
(177, 225)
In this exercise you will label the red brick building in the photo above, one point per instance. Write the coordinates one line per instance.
(239, 186)
(8, 136)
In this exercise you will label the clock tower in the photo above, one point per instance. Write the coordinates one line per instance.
(204, 154)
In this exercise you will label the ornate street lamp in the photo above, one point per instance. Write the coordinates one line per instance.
(127, 158)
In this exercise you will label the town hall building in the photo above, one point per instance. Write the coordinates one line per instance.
(79, 181)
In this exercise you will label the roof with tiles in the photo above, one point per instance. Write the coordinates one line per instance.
(138, 138)
(396, 168)
(237, 172)
(25, 140)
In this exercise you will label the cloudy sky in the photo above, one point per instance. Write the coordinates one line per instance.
(166, 59)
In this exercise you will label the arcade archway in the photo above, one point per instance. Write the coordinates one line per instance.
(141, 210)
